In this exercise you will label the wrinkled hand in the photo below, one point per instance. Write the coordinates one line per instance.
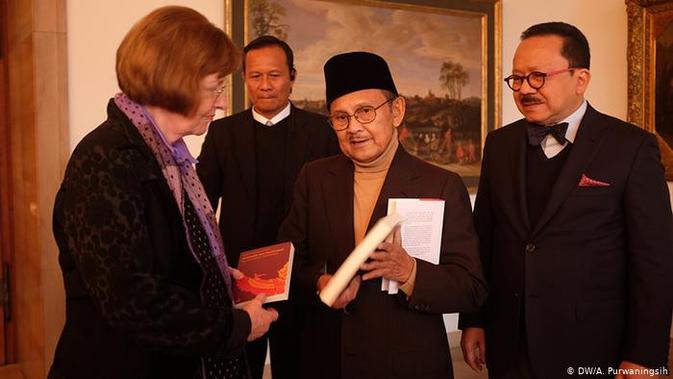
(236, 274)
(347, 295)
(260, 318)
(473, 344)
(632, 366)
(390, 261)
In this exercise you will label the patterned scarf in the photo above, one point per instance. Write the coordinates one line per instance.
(180, 176)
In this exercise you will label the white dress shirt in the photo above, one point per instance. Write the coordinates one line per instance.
(550, 145)
(282, 115)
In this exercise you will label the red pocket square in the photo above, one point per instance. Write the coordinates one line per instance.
(586, 181)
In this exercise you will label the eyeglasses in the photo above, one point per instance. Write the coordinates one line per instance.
(215, 93)
(364, 115)
(535, 79)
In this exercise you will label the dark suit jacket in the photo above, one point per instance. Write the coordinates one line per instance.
(595, 274)
(227, 169)
(382, 336)
(133, 308)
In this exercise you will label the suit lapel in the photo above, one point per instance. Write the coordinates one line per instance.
(337, 190)
(244, 146)
(519, 169)
(583, 151)
(399, 183)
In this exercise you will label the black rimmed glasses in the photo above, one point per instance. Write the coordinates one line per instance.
(535, 79)
(363, 115)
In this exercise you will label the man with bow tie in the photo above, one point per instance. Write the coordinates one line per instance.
(575, 226)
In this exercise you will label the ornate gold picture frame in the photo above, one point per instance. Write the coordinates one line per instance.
(650, 72)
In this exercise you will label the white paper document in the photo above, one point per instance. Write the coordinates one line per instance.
(421, 231)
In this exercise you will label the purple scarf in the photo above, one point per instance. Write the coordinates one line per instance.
(176, 165)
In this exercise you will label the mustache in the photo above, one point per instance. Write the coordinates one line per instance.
(531, 99)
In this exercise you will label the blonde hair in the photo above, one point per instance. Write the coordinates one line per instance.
(166, 54)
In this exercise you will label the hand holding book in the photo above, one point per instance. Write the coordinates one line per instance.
(260, 318)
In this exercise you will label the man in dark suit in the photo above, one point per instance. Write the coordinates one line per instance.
(368, 333)
(251, 160)
(575, 228)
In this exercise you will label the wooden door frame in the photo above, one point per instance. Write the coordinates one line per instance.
(6, 350)
(38, 146)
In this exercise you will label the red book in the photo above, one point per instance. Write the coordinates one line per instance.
(266, 270)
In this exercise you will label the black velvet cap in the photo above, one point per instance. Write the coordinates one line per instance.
(355, 71)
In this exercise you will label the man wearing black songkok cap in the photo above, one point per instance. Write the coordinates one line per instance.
(368, 333)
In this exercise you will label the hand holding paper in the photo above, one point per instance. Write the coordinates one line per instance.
(343, 276)
(422, 231)
(347, 295)
(389, 261)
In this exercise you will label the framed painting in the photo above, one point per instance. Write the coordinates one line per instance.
(444, 56)
(650, 72)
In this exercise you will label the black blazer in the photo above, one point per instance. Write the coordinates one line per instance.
(382, 336)
(595, 273)
(133, 308)
(227, 169)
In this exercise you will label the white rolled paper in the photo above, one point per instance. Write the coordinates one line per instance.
(339, 281)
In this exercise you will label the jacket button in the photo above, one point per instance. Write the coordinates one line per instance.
(530, 248)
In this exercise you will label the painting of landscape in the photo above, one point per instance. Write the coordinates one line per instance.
(436, 55)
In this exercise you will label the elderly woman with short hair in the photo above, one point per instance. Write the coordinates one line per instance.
(148, 291)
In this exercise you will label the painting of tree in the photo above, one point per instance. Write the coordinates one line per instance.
(453, 78)
(265, 18)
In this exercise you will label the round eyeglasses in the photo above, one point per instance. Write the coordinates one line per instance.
(535, 79)
(363, 115)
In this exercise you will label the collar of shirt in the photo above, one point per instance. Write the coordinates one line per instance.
(275, 119)
(178, 150)
(551, 146)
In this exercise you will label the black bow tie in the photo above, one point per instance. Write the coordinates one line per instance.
(537, 133)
